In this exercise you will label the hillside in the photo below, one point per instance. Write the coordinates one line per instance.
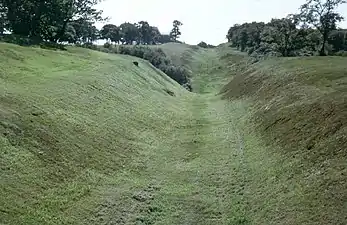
(70, 122)
(89, 138)
(297, 107)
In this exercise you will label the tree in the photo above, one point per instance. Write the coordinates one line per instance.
(165, 38)
(129, 33)
(110, 32)
(155, 35)
(145, 32)
(338, 40)
(69, 35)
(254, 30)
(175, 32)
(86, 32)
(283, 33)
(47, 20)
(3, 19)
(321, 14)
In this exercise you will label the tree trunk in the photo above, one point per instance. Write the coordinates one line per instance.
(322, 50)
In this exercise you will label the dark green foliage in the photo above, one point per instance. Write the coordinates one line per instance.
(90, 46)
(305, 34)
(110, 32)
(341, 53)
(130, 33)
(178, 73)
(338, 40)
(175, 32)
(205, 45)
(321, 15)
(47, 21)
(107, 45)
(19, 40)
(165, 38)
(71, 21)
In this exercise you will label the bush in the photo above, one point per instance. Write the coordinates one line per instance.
(139, 51)
(341, 53)
(203, 45)
(125, 50)
(178, 73)
(19, 40)
(107, 45)
(90, 46)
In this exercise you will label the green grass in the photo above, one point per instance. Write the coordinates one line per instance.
(179, 53)
(297, 106)
(89, 138)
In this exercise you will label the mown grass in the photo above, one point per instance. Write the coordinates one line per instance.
(89, 138)
(70, 123)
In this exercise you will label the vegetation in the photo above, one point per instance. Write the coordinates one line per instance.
(50, 22)
(88, 137)
(297, 106)
(306, 33)
(73, 21)
(175, 32)
(84, 135)
(205, 45)
(160, 60)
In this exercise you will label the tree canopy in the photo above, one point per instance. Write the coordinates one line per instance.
(175, 32)
(46, 20)
(305, 33)
(71, 21)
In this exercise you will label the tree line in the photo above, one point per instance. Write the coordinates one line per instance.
(141, 33)
(312, 30)
(73, 21)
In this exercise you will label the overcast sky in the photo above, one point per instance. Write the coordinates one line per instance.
(203, 20)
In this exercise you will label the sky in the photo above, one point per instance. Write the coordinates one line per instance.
(203, 20)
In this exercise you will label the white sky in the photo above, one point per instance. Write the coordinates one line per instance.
(202, 20)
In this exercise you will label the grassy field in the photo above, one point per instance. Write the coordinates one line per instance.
(89, 138)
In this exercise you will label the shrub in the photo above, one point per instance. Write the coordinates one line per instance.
(125, 50)
(139, 51)
(107, 45)
(178, 73)
(90, 46)
(341, 53)
(203, 45)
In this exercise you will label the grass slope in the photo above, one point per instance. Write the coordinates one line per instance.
(69, 123)
(88, 138)
(297, 107)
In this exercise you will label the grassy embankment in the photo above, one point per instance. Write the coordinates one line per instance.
(89, 138)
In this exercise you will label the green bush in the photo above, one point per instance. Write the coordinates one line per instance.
(341, 53)
(139, 51)
(19, 40)
(125, 50)
(203, 45)
(90, 46)
(107, 45)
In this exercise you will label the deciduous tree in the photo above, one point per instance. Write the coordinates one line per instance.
(323, 16)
